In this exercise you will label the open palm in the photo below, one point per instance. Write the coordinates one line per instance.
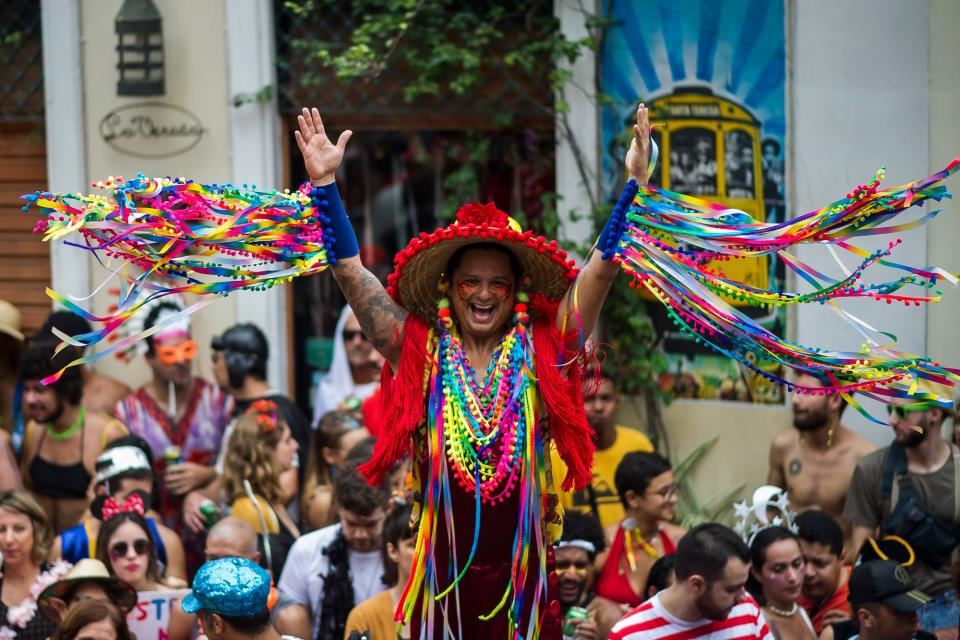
(320, 156)
(638, 156)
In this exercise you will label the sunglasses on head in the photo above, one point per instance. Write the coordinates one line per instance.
(350, 336)
(119, 549)
(184, 352)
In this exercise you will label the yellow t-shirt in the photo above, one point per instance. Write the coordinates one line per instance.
(604, 466)
(374, 615)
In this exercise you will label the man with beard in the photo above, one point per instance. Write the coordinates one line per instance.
(62, 440)
(612, 441)
(331, 570)
(574, 555)
(708, 601)
(909, 490)
(814, 460)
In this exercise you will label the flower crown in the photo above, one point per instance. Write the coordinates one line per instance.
(266, 414)
(769, 508)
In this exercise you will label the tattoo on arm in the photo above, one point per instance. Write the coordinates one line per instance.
(380, 317)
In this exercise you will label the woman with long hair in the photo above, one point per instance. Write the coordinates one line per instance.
(336, 435)
(94, 619)
(126, 547)
(261, 448)
(776, 577)
(25, 539)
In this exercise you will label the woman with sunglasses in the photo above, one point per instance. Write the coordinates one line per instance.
(354, 372)
(645, 485)
(124, 545)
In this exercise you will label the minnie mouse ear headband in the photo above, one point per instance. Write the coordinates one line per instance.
(106, 507)
(419, 266)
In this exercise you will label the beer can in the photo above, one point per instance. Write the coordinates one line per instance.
(208, 508)
(172, 455)
(573, 617)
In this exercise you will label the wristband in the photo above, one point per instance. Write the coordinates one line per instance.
(613, 229)
(339, 238)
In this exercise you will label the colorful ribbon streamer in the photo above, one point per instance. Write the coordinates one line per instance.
(670, 240)
(184, 237)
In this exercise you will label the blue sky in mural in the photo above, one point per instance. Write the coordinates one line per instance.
(736, 47)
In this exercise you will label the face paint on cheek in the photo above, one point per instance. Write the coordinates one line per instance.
(465, 290)
(500, 290)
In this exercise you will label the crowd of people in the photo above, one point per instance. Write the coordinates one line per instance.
(96, 509)
(423, 486)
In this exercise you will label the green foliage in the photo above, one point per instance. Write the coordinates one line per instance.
(442, 46)
(690, 511)
(265, 94)
(445, 47)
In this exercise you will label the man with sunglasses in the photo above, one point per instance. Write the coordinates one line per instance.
(182, 417)
(354, 373)
(909, 489)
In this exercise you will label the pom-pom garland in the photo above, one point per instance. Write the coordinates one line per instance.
(185, 237)
(670, 238)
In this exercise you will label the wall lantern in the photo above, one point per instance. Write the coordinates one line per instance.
(139, 49)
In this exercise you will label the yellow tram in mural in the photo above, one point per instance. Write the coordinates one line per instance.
(710, 148)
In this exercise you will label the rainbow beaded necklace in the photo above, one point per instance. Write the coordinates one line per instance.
(483, 434)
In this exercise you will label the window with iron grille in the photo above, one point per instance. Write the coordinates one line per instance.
(21, 64)
(410, 163)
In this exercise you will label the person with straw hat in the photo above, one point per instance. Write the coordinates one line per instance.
(89, 579)
(482, 327)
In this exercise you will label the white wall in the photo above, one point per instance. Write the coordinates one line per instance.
(944, 133)
(196, 80)
(874, 82)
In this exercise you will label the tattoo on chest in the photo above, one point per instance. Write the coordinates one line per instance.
(795, 467)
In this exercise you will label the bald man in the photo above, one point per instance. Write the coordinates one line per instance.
(230, 537)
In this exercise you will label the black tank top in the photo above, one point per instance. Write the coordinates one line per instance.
(60, 480)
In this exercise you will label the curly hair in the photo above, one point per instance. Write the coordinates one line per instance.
(250, 457)
(41, 360)
(22, 502)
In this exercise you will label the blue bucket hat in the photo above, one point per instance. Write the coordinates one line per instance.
(234, 587)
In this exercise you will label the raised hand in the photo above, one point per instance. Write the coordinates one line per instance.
(638, 156)
(320, 156)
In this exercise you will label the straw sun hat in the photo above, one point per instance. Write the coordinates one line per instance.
(419, 266)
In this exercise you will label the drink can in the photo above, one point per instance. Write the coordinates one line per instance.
(573, 617)
(209, 510)
(172, 455)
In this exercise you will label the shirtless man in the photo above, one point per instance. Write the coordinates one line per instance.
(815, 460)
(100, 391)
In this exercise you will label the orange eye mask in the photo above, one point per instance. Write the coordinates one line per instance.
(185, 352)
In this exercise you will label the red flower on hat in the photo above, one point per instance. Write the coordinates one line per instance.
(482, 214)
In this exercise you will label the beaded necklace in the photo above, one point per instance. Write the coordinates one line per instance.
(483, 435)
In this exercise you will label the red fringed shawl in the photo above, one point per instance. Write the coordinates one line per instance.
(559, 387)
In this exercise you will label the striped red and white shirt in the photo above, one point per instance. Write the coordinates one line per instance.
(651, 621)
